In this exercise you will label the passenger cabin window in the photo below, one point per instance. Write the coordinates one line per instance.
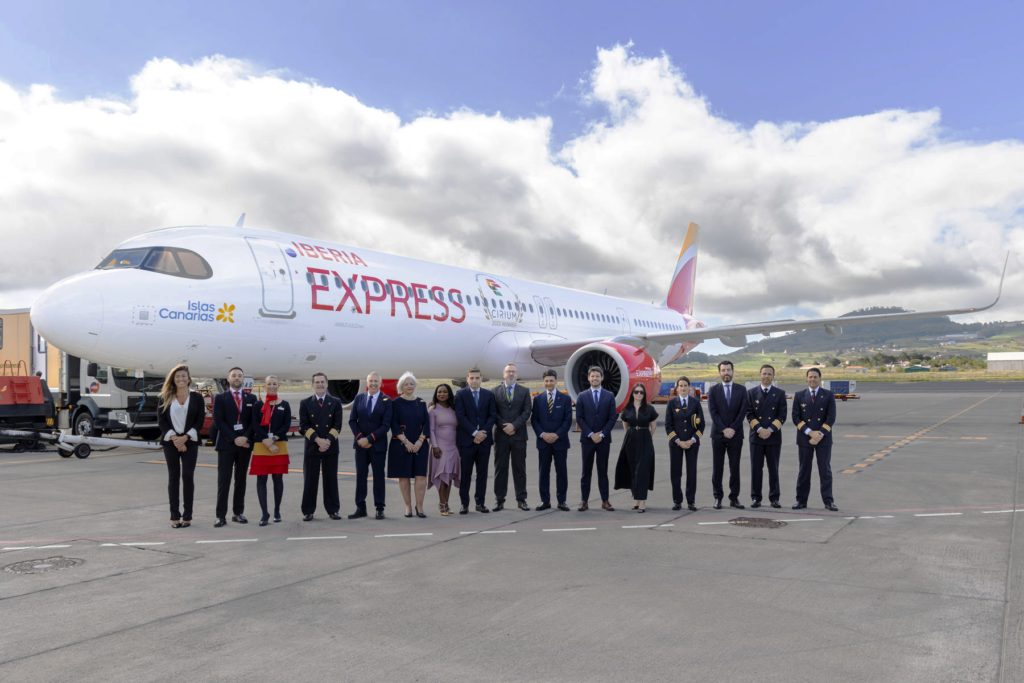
(164, 260)
(309, 277)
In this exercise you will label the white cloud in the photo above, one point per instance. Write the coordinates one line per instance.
(884, 208)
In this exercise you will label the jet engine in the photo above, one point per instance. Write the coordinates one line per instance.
(345, 390)
(623, 366)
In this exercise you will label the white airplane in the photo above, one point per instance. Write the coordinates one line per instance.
(273, 303)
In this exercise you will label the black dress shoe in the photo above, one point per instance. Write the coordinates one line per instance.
(523, 506)
(691, 507)
(220, 522)
(264, 520)
(277, 517)
(756, 504)
(498, 507)
(543, 506)
(799, 506)
(334, 515)
(776, 504)
(360, 512)
(676, 507)
(380, 514)
(239, 518)
(718, 504)
(831, 507)
(307, 518)
(482, 508)
(736, 504)
(464, 510)
(563, 507)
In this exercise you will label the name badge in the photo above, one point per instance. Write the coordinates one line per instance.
(238, 428)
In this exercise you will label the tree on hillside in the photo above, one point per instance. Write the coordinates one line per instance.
(793, 363)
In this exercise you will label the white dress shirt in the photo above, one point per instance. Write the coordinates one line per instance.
(179, 413)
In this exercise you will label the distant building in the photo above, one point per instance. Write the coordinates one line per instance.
(1002, 361)
(856, 368)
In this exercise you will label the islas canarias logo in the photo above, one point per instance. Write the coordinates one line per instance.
(501, 305)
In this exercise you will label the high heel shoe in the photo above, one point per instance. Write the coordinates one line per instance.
(642, 510)
(408, 514)
(636, 507)
(277, 517)
(264, 519)
(440, 509)
(186, 523)
(175, 524)
(421, 515)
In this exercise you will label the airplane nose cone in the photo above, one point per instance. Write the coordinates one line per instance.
(70, 315)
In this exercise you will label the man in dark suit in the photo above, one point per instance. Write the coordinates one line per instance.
(595, 415)
(476, 413)
(320, 424)
(370, 419)
(727, 407)
(513, 406)
(766, 411)
(684, 424)
(232, 416)
(552, 420)
(814, 413)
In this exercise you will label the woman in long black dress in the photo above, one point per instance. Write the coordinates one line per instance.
(635, 468)
(410, 444)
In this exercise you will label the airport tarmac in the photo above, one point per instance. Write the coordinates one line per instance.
(918, 577)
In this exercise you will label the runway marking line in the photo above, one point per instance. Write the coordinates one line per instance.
(904, 440)
(313, 538)
(146, 543)
(399, 535)
(231, 540)
(996, 512)
(589, 528)
(938, 514)
(94, 455)
(495, 531)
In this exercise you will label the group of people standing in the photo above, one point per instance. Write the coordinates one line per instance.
(442, 443)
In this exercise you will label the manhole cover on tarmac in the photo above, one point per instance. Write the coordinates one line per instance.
(39, 566)
(757, 522)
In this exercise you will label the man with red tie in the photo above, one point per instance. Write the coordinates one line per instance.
(232, 415)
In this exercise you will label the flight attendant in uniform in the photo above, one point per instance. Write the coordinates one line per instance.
(727, 409)
(814, 413)
(684, 422)
(232, 418)
(766, 411)
(551, 418)
(180, 417)
(410, 443)
(272, 418)
(370, 419)
(320, 424)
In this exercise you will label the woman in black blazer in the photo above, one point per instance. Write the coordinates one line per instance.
(180, 416)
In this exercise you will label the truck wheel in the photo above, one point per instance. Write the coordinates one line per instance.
(84, 424)
(63, 453)
(82, 451)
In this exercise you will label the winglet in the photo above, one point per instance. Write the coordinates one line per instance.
(999, 292)
(241, 219)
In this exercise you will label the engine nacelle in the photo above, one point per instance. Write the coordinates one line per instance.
(833, 330)
(737, 341)
(623, 367)
(345, 390)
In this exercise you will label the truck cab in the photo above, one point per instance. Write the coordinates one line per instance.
(97, 399)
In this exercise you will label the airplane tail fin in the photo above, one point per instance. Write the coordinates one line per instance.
(680, 292)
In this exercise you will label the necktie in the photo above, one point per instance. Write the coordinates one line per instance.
(812, 396)
(597, 393)
(684, 403)
(321, 400)
(551, 402)
(728, 392)
(508, 393)
(476, 399)
(238, 401)
(371, 403)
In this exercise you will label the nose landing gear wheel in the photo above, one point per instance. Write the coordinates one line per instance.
(82, 451)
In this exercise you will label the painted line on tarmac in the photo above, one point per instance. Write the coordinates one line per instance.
(313, 538)
(939, 514)
(495, 531)
(996, 512)
(399, 535)
(588, 528)
(136, 451)
(232, 540)
(148, 543)
(905, 440)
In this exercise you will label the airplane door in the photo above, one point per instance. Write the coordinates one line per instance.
(543, 312)
(624, 319)
(276, 278)
(550, 306)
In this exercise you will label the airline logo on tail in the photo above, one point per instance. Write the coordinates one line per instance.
(495, 287)
(680, 292)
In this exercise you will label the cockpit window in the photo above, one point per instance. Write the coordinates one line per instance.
(165, 260)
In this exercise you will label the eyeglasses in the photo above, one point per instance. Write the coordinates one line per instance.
(638, 392)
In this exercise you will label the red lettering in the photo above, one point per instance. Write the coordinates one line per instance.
(348, 293)
(455, 302)
(356, 261)
(310, 252)
(338, 255)
(369, 298)
(395, 284)
(417, 299)
(439, 298)
(323, 252)
(319, 288)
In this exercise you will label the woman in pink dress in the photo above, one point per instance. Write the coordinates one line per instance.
(444, 468)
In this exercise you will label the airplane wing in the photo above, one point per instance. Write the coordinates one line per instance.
(557, 353)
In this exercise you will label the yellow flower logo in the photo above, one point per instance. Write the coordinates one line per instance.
(225, 313)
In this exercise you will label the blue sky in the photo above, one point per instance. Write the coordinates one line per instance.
(754, 60)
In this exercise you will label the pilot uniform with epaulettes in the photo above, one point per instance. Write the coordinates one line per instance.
(320, 418)
(767, 409)
(684, 420)
(816, 412)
